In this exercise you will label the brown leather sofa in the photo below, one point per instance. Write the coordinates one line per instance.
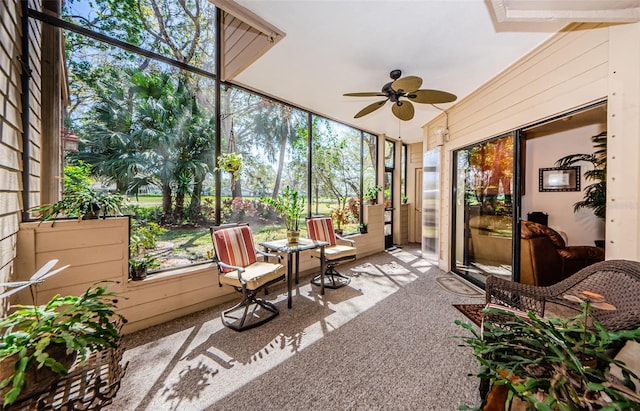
(545, 259)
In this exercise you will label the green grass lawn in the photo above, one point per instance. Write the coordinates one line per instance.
(182, 246)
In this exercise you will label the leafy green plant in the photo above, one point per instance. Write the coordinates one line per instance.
(595, 194)
(79, 199)
(371, 193)
(289, 205)
(231, 163)
(144, 238)
(405, 199)
(552, 364)
(82, 324)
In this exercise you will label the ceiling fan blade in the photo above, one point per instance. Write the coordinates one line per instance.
(403, 110)
(365, 94)
(407, 84)
(370, 108)
(431, 96)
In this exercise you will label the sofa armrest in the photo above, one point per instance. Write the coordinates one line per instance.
(582, 252)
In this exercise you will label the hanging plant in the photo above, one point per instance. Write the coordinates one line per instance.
(231, 163)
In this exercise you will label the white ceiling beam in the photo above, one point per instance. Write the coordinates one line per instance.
(567, 11)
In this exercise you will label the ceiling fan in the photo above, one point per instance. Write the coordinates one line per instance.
(401, 92)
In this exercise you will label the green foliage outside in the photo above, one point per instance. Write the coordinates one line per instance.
(149, 127)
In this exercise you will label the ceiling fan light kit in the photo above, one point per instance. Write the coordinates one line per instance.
(402, 91)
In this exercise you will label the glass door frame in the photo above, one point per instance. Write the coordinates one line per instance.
(518, 168)
(389, 167)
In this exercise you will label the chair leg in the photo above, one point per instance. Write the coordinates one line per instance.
(332, 278)
(249, 306)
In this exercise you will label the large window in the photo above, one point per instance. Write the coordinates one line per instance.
(336, 173)
(142, 100)
(272, 139)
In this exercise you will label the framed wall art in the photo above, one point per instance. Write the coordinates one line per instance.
(559, 179)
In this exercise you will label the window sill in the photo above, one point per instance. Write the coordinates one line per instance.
(173, 274)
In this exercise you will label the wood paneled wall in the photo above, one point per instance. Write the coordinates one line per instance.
(11, 127)
(569, 71)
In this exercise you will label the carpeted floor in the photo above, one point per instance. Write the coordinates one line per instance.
(385, 342)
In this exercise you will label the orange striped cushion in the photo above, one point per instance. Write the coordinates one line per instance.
(321, 229)
(235, 246)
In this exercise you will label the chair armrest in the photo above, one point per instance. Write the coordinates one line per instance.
(231, 267)
(265, 254)
(345, 240)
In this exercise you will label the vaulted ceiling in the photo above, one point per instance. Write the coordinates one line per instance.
(335, 47)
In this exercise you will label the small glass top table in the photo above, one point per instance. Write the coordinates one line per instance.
(283, 246)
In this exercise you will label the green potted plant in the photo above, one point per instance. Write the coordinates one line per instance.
(340, 217)
(79, 199)
(552, 364)
(405, 199)
(371, 193)
(595, 194)
(363, 228)
(290, 206)
(37, 339)
(143, 239)
(231, 163)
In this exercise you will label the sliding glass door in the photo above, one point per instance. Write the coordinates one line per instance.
(483, 209)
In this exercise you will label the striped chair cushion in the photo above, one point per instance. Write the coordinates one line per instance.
(321, 229)
(235, 246)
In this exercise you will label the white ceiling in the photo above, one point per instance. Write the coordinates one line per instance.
(335, 47)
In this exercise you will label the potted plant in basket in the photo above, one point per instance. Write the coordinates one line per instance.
(40, 342)
(372, 194)
(553, 364)
(290, 206)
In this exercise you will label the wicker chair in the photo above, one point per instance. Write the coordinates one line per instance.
(617, 280)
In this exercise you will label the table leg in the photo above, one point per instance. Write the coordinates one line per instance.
(322, 270)
(297, 267)
(289, 280)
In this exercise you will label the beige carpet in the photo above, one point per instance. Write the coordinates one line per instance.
(382, 343)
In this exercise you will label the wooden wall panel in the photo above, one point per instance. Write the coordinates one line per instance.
(10, 126)
(245, 37)
(566, 72)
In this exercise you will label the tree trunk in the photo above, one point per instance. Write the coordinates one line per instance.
(167, 197)
(281, 157)
(196, 198)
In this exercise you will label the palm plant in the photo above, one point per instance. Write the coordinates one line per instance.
(595, 195)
